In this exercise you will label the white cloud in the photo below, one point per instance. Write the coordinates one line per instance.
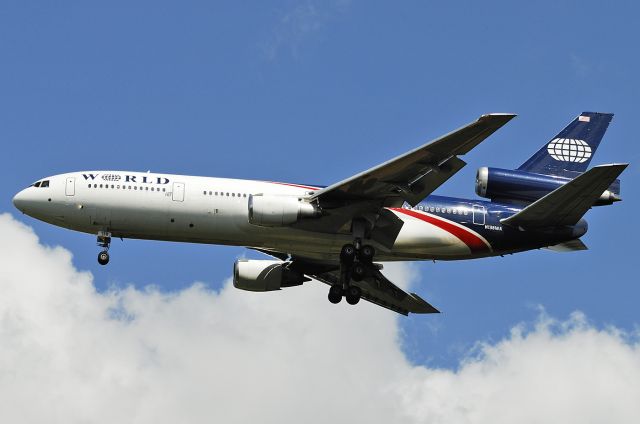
(69, 354)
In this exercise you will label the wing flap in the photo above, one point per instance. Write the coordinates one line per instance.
(568, 203)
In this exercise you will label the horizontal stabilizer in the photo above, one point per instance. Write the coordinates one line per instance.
(569, 246)
(567, 204)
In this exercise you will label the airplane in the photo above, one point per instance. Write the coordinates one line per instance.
(339, 234)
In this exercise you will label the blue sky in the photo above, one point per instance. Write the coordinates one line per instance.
(313, 92)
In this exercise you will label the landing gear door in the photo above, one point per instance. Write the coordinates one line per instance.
(178, 192)
(478, 214)
(70, 188)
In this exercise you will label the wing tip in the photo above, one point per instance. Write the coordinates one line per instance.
(508, 115)
(422, 307)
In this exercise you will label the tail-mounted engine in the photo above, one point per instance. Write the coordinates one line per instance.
(278, 211)
(505, 184)
(261, 276)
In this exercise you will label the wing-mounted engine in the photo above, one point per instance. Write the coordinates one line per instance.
(264, 275)
(506, 184)
(277, 211)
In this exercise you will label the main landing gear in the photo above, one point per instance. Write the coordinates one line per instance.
(104, 241)
(355, 260)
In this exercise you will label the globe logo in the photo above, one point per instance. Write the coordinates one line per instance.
(569, 150)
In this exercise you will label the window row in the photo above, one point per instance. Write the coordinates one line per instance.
(437, 209)
(223, 193)
(125, 187)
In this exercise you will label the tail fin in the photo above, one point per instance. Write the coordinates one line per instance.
(568, 154)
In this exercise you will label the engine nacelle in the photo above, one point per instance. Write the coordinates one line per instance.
(277, 211)
(261, 276)
(496, 183)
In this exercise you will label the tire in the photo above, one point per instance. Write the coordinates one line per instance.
(335, 294)
(348, 253)
(353, 295)
(367, 253)
(103, 257)
(358, 271)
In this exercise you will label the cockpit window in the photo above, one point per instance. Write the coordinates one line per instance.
(41, 184)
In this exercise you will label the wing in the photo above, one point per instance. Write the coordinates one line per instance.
(413, 176)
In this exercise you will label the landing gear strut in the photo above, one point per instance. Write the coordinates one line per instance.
(104, 241)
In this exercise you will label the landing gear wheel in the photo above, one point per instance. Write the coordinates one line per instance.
(357, 273)
(353, 295)
(348, 253)
(103, 257)
(367, 253)
(335, 294)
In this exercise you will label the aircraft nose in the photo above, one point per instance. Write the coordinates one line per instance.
(19, 201)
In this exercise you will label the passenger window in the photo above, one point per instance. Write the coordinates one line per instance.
(152, 189)
(111, 185)
(135, 187)
(89, 185)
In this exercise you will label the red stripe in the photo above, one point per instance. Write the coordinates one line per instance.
(296, 185)
(475, 243)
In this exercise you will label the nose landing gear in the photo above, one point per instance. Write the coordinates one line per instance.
(104, 241)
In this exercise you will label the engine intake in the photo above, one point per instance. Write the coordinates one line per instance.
(278, 211)
(261, 275)
(505, 184)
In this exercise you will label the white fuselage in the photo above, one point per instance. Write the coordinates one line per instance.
(205, 210)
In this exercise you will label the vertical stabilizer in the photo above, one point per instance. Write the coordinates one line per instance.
(569, 153)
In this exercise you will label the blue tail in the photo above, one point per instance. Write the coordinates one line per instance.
(569, 153)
